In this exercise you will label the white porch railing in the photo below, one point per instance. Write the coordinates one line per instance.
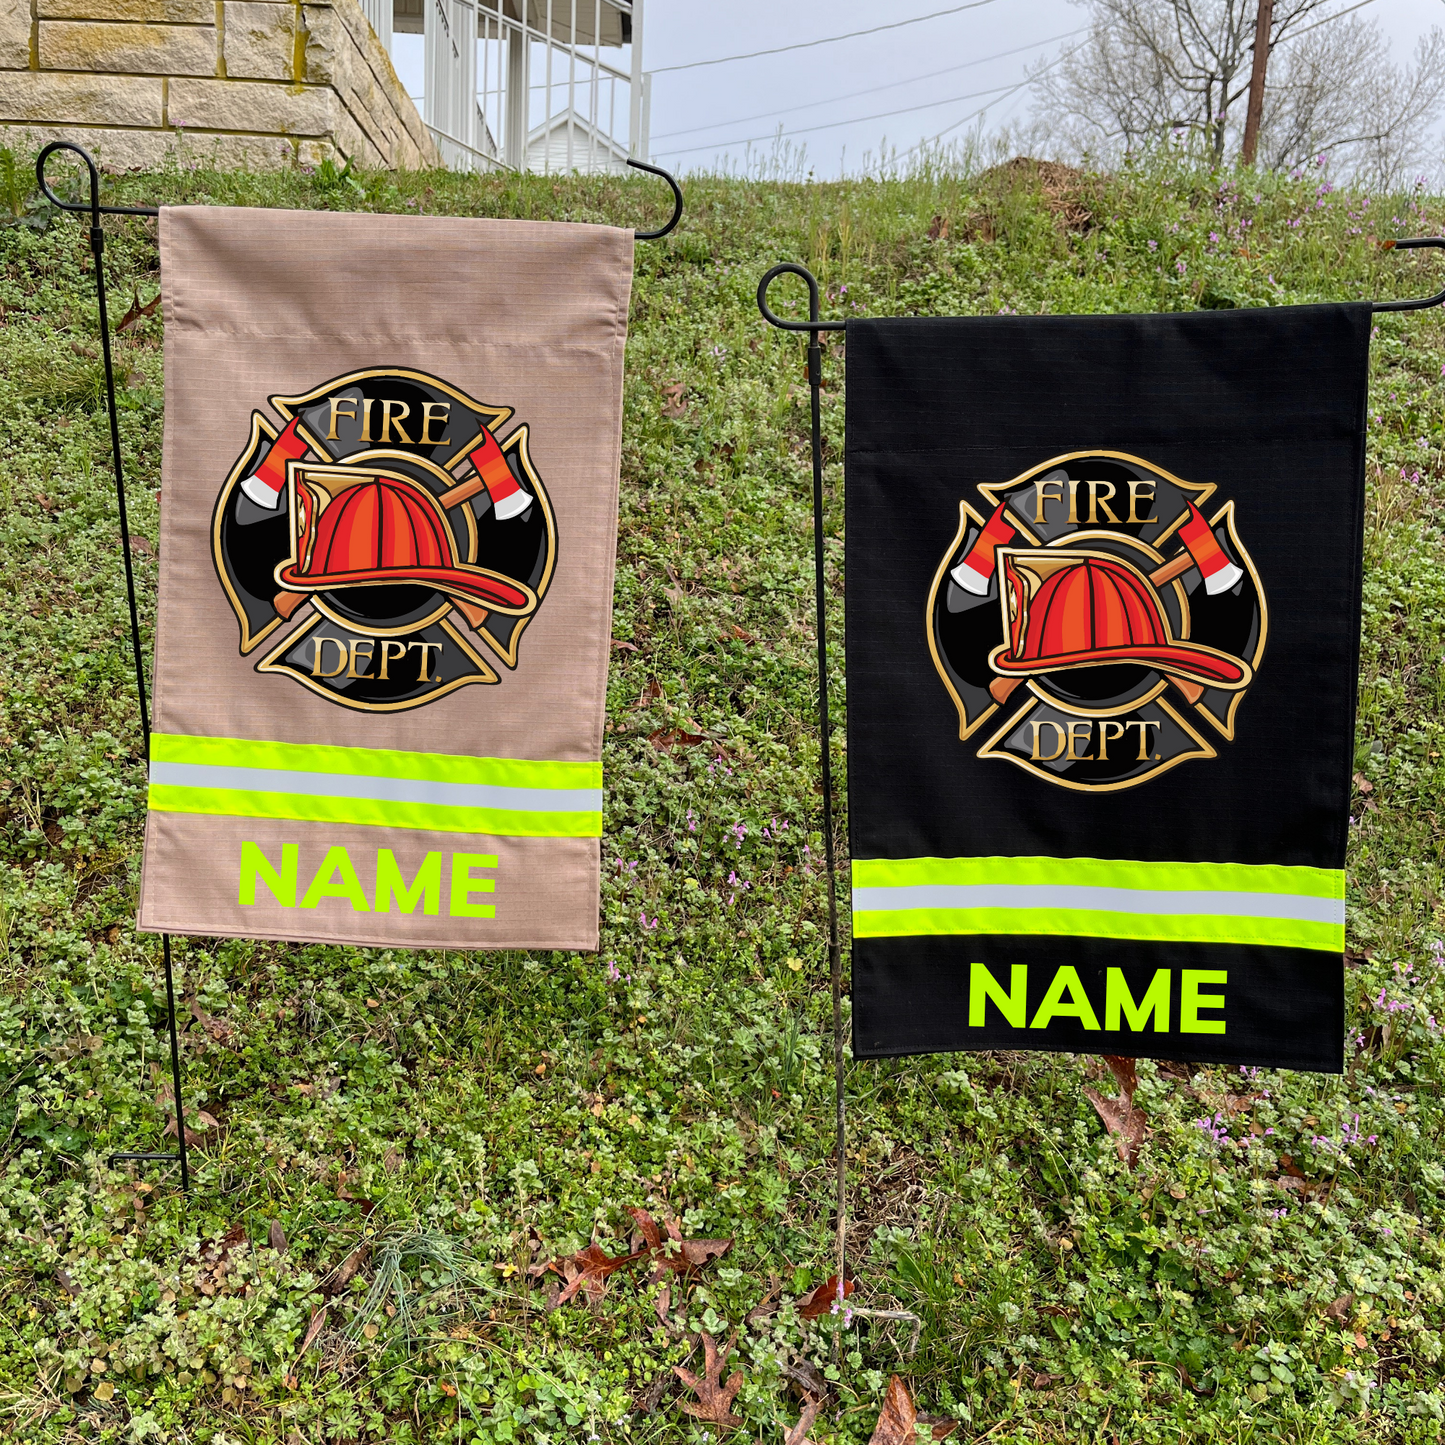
(524, 83)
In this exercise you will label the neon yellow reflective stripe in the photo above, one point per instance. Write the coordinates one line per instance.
(1089, 923)
(375, 787)
(1101, 873)
(372, 762)
(498, 822)
(1231, 903)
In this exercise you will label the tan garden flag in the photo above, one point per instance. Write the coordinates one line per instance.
(388, 526)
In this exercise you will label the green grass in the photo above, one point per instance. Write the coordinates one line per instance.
(466, 1117)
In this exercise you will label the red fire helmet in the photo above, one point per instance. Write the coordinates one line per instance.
(387, 530)
(1080, 609)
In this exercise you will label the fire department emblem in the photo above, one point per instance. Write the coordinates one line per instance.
(1098, 621)
(384, 540)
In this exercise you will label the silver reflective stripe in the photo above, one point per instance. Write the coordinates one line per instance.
(1104, 900)
(388, 790)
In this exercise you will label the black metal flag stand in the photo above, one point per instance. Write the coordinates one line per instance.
(814, 326)
(97, 249)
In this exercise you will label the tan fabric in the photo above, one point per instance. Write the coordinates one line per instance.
(524, 316)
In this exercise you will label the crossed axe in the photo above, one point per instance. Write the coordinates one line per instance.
(1201, 550)
(490, 474)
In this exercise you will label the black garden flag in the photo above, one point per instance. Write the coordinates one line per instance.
(1103, 628)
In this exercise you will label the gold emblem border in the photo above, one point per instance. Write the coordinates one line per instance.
(1203, 750)
(1225, 725)
(517, 441)
(270, 664)
(260, 427)
(1199, 491)
(289, 405)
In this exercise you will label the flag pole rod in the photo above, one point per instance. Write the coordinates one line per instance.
(97, 251)
(835, 958)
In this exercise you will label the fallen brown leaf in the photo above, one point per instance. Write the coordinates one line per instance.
(1123, 1121)
(897, 1418)
(217, 1029)
(666, 739)
(651, 1397)
(767, 1305)
(318, 1320)
(675, 405)
(798, 1435)
(682, 1256)
(589, 1269)
(818, 1302)
(346, 1271)
(277, 1237)
(136, 311)
(1188, 1379)
(193, 1139)
(714, 1396)
(1125, 1071)
(809, 1379)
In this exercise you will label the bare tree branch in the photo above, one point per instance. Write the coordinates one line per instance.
(1152, 71)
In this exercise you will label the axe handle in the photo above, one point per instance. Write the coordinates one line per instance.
(1174, 567)
(463, 491)
(474, 614)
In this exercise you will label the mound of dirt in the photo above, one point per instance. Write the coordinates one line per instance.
(1069, 194)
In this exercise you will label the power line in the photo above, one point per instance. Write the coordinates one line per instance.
(1338, 15)
(872, 90)
(826, 40)
(1027, 80)
(833, 124)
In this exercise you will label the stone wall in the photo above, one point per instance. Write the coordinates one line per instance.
(238, 82)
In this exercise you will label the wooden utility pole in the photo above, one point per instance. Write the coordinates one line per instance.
(1256, 80)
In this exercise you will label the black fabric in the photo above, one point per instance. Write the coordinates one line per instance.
(1268, 405)
(1286, 1006)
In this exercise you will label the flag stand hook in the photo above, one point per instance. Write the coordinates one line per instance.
(1425, 302)
(97, 249)
(835, 958)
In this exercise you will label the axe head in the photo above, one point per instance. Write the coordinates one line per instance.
(1218, 572)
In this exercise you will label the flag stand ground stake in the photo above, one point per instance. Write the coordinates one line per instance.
(97, 247)
(835, 957)
(814, 326)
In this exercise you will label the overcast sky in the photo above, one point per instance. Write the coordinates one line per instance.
(750, 98)
(940, 76)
